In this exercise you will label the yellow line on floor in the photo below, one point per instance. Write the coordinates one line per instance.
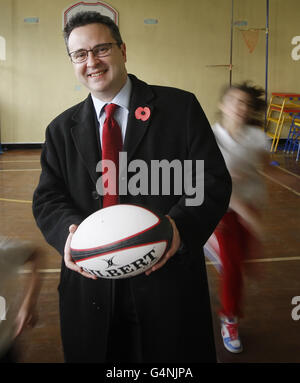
(14, 200)
(279, 183)
(20, 170)
(17, 161)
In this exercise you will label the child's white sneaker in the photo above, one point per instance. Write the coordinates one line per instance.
(230, 335)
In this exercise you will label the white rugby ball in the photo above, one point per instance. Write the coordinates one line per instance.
(121, 241)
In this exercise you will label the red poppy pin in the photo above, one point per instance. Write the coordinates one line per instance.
(142, 113)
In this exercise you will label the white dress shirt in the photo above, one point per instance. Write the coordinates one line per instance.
(122, 99)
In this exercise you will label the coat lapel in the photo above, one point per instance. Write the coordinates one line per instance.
(85, 129)
(86, 137)
(142, 96)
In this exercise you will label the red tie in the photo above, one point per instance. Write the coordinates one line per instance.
(111, 146)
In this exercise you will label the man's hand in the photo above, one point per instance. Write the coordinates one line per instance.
(69, 262)
(176, 241)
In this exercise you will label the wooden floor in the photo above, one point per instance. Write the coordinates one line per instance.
(268, 331)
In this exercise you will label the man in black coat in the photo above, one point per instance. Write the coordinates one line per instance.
(164, 315)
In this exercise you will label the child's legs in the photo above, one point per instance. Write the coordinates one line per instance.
(231, 246)
(253, 248)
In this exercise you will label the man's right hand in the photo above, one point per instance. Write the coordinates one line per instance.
(69, 262)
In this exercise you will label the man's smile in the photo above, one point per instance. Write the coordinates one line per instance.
(97, 73)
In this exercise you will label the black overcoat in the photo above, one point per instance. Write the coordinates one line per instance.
(172, 303)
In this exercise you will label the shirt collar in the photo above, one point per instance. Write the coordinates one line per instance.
(121, 99)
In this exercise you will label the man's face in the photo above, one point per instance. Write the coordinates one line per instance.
(103, 76)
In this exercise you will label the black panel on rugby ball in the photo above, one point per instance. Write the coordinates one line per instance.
(162, 231)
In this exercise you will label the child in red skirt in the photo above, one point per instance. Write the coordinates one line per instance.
(237, 237)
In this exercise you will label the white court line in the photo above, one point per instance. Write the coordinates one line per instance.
(279, 259)
(262, 260)
(279, 183)
(42, 271)
(287, 171)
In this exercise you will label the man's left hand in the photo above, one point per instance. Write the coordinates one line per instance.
(176, 241)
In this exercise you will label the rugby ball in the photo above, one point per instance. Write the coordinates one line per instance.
(121, 241)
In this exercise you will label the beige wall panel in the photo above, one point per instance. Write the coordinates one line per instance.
(249, 56)
(6, 94)
(37, 81)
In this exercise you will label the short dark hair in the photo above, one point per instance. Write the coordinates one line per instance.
(81, 19)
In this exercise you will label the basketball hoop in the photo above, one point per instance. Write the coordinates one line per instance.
(97, 6)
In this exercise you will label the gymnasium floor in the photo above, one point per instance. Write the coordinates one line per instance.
(268, 331)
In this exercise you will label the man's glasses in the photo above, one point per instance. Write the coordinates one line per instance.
(101, 50)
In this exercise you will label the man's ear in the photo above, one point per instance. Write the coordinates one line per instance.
(123, 49)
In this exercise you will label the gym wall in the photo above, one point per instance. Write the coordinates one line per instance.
(189, 47)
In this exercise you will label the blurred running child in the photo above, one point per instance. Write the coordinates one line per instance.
(237, 237)
(17, 308)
